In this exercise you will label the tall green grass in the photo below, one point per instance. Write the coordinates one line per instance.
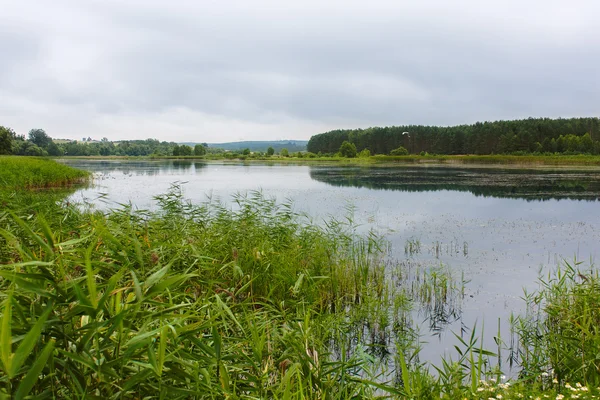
(250, 302)
(31, 172)
(191, 301)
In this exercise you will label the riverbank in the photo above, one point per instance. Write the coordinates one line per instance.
(33, 173)
(503, 160)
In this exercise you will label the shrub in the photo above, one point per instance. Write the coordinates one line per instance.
(400, 151)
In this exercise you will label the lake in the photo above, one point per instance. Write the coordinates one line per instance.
(495, 228)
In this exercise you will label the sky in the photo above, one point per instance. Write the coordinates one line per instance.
(220, 71)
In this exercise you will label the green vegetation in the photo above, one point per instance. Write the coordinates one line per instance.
(204, 301)
(400, 151)
(348, 150)
(533, 135)
(183, 150)
(6, 136)
(39, 143)
(545, 141)
(262, 146)
(199, 150)
(28, 172)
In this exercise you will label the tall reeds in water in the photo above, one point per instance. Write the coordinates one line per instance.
(246, 302)
(189, 301)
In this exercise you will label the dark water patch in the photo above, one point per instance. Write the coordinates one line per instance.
(525, 184)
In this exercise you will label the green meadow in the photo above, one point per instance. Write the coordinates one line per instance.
(253, 301)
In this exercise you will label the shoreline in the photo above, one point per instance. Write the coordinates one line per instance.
(382, 160)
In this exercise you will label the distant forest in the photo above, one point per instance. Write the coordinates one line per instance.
(527, 136)
(39, 143)
(262, 146)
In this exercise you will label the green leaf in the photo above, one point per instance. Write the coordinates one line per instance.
(32, 376)
(162, 348)
(168, 283)
(137, 287)
(157, 276)
(6, 335)
(33, 235)
(72, 242)
(29, 342)
(46, 230)
(91, 279)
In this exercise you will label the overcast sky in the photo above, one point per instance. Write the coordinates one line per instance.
(217, 71)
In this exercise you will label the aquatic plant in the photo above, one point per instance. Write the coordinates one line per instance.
(253, 301)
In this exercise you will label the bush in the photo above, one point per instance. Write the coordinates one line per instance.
(348, 149)
(400, 151)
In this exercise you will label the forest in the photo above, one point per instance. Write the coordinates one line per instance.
(527, 136)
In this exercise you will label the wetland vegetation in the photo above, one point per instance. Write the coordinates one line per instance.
(253, 300)
(34, 172)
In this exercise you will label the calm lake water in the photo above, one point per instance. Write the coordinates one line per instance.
(498, 227)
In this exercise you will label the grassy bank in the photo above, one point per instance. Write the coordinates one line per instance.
(31, 172)
(524, 160)
(253, 302)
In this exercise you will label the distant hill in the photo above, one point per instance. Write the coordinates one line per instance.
(291, 145)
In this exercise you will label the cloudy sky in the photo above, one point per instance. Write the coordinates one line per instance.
(223, 70)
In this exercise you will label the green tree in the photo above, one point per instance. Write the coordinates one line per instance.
(365, 153)
(199, 150)
(40, 138)
(400, 151)
(270, 151)
(246, 152)
(27, 148)
(6, 140)
(348, 149)
(284, 152)
(176, 150)
(185, 150)
(54, 150)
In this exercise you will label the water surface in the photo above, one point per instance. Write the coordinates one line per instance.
(498, 227)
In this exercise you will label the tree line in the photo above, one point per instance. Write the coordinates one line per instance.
(527, 136)
(39, 143)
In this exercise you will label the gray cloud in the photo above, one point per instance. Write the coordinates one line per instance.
(229, 70)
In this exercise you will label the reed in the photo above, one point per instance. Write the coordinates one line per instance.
(253, 301)
(32, 172)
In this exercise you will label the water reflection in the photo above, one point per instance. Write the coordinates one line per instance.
(487, 182)
(105, 168)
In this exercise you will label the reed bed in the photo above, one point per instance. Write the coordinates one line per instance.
(33, 172)
(251, 302)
